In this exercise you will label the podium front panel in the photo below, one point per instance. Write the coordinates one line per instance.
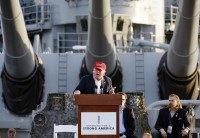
(97, 107)
(102, 110)
(98, 123)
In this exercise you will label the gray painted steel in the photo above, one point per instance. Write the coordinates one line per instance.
(107, 50)
(100, 39)
(19, 56)
(183, 55)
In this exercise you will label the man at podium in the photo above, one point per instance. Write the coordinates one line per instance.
(95, 83)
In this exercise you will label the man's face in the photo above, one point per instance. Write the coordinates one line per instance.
(146, 136)
(123, 101)
(11, 134)
(98, 74)
(173, 102)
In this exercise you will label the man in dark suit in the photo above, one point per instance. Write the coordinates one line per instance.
(126, 119)
(96, 83)
(172, 121)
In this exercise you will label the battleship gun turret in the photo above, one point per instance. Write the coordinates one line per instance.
(23, 74)
(178, 70)
(100, 42)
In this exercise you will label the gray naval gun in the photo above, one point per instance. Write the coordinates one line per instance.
(178, 66)
(23, 73)
(178, 71)
(100, 43)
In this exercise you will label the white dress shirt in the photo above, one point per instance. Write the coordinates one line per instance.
(121, 121)
(98, 84)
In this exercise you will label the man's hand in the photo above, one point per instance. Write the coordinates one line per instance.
(123, 136)
(185, 131)
(112, 90)
(163, 133)
(77, 92)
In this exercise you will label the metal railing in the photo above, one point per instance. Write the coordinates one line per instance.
(159, 104)
(192, 105)
(170, 14)
(80, 3)
(66, 41)
(37, 14)
(146, 36)
(76, 42)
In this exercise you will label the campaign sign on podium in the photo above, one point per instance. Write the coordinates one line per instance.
(98, 123)
(98, 115)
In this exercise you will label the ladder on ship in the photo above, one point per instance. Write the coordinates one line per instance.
(62, 72)
(139, 72)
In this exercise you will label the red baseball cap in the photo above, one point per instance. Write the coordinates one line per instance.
(99, 65)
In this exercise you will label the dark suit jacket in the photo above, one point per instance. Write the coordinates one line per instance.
(129, 122)
(87, 85)
(178, 121)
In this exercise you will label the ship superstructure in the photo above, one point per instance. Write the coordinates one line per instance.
(58, 31)
(64, 23)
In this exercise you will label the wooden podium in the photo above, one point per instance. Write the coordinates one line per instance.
(98, 115)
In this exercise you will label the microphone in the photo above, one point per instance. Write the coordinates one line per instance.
(95, 88)
(101, 88)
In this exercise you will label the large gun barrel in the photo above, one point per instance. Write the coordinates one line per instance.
(19, 56)
(183, 55)
(100, 42)
(22, 75)
(178, 70)
(100, 39)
